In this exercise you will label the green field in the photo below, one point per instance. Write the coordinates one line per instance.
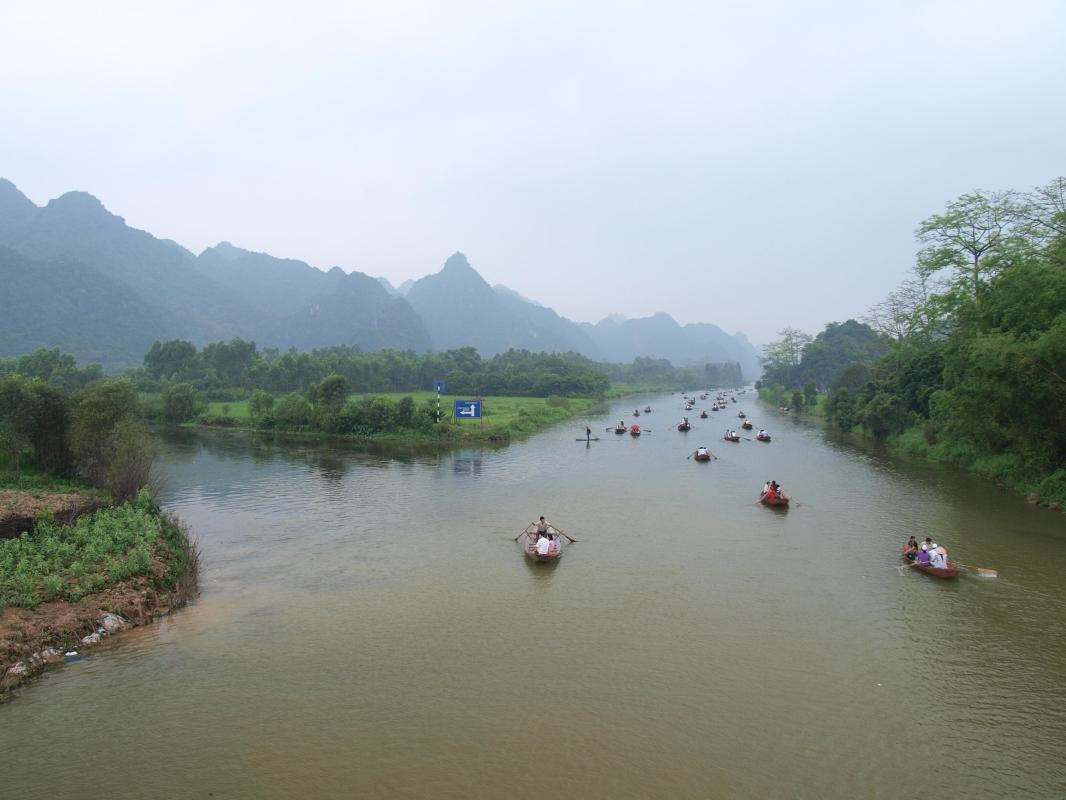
(502, 415)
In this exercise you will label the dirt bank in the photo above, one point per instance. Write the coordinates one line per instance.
(18, 510)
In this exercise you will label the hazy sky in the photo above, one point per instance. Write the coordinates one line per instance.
(750, 164)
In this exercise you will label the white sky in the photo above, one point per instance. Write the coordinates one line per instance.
(755, 165)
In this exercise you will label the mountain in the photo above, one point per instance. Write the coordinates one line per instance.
(660, 336)
(459, 308)
(272, 286)
(76, 226)
(104, 291)
(358, 311)
(91, 316)
(74, 275)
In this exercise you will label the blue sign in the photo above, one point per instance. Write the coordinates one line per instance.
(438, 386)
(468, 409)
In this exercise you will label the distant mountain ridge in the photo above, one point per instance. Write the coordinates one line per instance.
(77, 277)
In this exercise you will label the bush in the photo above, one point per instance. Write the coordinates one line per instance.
(181, 402)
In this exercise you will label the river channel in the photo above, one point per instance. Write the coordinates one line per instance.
(368, 628)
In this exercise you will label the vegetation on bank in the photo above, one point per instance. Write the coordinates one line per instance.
(394, 415)
(974, 347)
(97, 551)
(80, 536)
(336, 390)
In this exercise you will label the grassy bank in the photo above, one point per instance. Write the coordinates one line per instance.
(504, 416)
(60, 583)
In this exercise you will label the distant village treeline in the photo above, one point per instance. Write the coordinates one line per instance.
(313, 391)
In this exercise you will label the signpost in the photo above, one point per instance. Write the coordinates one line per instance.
(439, 386)
(468, 409)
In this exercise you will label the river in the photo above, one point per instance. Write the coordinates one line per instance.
(368, 628)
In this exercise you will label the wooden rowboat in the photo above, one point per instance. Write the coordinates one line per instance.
(647, 409)
(684, 427)
(762, 437)
(701, 456)
(620, 429)
(780, 500)
(553, 553)
(704, 415)
(731, 438)
(950, 571)
(634, 430)
(746, 425)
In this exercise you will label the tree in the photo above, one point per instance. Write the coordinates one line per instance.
(260, 404)
(783, 356)
(96, 412)
(180, 402)
(174, 358)
(974, 238)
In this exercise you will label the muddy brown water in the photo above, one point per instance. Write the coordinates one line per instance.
(368, 628)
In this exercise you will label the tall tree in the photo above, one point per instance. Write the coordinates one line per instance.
(974, 238)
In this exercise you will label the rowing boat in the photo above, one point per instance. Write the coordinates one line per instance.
(950, 571)
(554, 552)
(779, 500)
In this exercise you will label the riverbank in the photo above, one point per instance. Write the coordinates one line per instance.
(65, 588)
(920, 441)
(504, 418)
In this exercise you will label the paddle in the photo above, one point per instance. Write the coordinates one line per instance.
(526, 532)
(557, 530)
(983, 572)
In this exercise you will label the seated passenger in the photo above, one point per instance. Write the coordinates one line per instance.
(543, 545)
(938, 557)
(923, 555)
(910, 549)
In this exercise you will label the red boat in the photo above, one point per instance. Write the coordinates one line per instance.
(950, 571)
(634, 430)
(778, 500)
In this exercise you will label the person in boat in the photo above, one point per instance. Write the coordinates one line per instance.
(588, 434)
(543, 544)
(702, 452)
(938, 557)
(766, 488)
(923, 555)
(910, 549)
(543, 526)
(553, 543)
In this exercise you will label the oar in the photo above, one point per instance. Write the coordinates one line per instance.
(557, 530)
(526, 532)
(983, 572)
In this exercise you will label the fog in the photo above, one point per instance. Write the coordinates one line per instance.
(752, 165)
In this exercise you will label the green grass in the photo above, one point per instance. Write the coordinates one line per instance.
(237, 409)
(37, 483)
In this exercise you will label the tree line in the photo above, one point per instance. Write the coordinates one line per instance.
(973, 368)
